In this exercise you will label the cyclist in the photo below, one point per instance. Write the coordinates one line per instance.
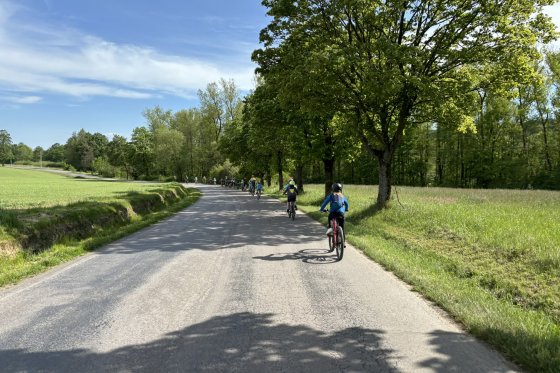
(291, 191)
(252, 184)
(259, 188)
(338, 207)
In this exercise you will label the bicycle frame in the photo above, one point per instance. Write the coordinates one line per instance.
(292, 210)
(336, 240)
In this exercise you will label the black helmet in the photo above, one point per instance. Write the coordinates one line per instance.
(336, 187)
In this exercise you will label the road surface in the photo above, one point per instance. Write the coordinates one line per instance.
(228, 285)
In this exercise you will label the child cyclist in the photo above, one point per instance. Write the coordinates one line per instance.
(259, 187)
(338, 207)
(291, 191)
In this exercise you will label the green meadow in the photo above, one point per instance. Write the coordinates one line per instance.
(25, 189)
(47, 219)
(491, 258)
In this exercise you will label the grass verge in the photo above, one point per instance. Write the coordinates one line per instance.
(488, 257)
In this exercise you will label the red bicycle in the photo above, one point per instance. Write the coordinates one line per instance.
(336, 238)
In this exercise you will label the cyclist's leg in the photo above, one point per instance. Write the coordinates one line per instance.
(340, 220)
(329, 227)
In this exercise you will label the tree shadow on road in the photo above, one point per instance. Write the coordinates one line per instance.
(222, 219)
(241, 342)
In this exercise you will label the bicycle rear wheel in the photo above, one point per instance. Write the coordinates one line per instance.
(293, 212)
(331, 243)
(339, 243)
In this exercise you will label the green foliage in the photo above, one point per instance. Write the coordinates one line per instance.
(82, 148)
(5, 147)
(102, 167)
(225, 170)
(55, 153)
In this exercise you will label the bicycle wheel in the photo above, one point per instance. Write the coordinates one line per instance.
(339, 243)
(293, 212)
(331, 242)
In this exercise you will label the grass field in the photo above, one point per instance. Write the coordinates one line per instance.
(489, 257)
(25, 189)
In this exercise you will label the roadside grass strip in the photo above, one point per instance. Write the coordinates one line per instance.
(488, 257)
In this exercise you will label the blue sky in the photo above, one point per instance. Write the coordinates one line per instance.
(98, 64)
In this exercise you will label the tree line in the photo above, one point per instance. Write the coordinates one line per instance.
(450, 93)
(170, 146)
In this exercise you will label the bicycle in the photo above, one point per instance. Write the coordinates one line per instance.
(292, 210)
(336, 238)
(258, 194)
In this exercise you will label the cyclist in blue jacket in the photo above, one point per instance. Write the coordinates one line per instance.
(338, 207)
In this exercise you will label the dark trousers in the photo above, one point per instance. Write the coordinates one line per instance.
(339, 217)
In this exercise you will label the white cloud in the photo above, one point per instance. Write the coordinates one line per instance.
(39, 59)
(21, 100)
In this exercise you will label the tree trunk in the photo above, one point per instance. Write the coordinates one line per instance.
(299, 177)
(328, 165)
(280, 170)
(439, 160)
(385, 178)
(544, 122)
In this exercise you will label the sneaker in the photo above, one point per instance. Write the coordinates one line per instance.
(329, 231)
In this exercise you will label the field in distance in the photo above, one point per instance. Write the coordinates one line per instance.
(25, 189)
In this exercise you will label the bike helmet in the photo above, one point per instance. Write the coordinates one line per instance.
(336, 187)
(292, 183)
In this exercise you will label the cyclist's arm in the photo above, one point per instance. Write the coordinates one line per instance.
(325, 202)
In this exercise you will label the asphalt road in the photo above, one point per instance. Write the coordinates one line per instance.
(228, 285)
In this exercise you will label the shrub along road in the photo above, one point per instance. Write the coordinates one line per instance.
(229, 284)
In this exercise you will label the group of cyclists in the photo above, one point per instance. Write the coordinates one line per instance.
(252, 185)
(204, 180)
(338, 203)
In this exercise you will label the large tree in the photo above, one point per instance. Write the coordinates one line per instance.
(55, 153)
(220, 104)
(119, 154)
(5, 147)
(389, 65)
(142, 153)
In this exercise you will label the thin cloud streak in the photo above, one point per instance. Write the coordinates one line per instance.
(21, 99)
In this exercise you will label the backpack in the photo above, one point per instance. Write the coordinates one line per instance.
(337, 202)
(292, 191)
